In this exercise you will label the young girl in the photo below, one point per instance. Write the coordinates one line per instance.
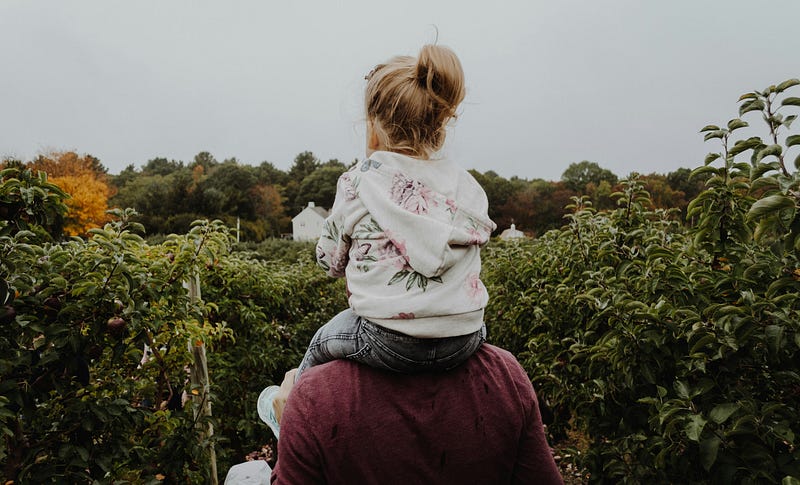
(405, 231)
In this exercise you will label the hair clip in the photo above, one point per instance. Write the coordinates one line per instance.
(374, 70)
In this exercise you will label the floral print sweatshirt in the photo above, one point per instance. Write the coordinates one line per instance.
(406, 233)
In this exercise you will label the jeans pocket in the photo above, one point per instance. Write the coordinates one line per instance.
(449, 359)
(376, 359)
(360, 354)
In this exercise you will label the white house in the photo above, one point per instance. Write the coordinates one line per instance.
(512, 233)
(307, 225)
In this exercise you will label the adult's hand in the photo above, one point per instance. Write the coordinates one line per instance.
(280, 398)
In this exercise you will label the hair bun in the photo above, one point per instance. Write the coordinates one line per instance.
(409, 100)
(439, 71)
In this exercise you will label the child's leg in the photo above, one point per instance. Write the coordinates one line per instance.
(337, 339)
(348, 336)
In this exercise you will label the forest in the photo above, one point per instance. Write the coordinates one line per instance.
(170, 194)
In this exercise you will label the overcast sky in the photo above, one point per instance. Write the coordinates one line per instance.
(623, 83)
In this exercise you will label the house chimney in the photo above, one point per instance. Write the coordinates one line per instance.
(311, 204)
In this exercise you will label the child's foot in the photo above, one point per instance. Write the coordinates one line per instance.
(266, 411)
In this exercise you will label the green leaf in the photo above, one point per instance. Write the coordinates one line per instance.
(752, 105)
(702, 342)
(682, 389)
(668, 415)
(740, 146)
(784, 432)
(741, 167)
(728, 310)
(708, 452)
(774, 334)
(775, 150)
(790, 480)
(792, 140)
(736, 123)
(779, 285)
(793, 101)
(702, 387)
(769, 205)
(772, 408)
(695, 427)
(722, 412)
(709, 128)
(787, 84)
(714, 134)
(711, 157)
(703, 170)
(757, 171)
(748, 96)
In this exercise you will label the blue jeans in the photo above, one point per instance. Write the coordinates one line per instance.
(348, 336)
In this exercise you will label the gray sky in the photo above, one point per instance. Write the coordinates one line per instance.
(623, 83)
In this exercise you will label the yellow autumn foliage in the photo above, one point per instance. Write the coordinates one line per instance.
(84, 179)
(88, 203)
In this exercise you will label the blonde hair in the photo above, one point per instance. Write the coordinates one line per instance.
(410, 100)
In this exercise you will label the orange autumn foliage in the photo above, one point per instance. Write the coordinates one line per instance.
(85, 180)
(59, 164)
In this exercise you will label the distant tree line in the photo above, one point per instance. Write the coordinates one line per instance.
(536, 206)
(170, 194)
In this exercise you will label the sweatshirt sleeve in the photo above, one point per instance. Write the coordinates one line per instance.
(333, 246)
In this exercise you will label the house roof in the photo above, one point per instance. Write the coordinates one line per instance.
(314, 208)
(512, 233)
(321, 211)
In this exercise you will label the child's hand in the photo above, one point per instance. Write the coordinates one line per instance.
(280, 399)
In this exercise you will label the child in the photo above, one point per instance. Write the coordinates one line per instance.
(405, 230)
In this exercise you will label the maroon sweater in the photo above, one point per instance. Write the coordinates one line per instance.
(346, 423)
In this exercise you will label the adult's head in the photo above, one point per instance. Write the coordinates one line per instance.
(409, 101)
